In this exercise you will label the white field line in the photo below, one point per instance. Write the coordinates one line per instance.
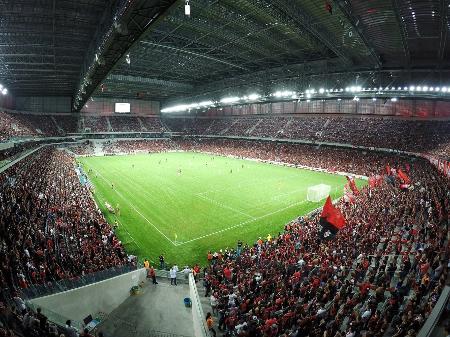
(224, 206)
(126, 230)
(136, 210)
(241, 223)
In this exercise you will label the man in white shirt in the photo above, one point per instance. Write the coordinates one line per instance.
(173, 276)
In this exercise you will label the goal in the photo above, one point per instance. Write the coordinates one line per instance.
(318, 192)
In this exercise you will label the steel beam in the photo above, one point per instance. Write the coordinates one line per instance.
(112, 42)
(444, 30)
(345, 8)
(403, 32)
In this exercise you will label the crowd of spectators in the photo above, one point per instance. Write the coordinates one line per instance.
(67, 123)
(400, 134)
(95, 123)
(152, 124)
(84, 149)
(134, 146)
(50, 227)
(380, 276)
(125, 124)
(44, 125)
(23, 125)
(12, 127)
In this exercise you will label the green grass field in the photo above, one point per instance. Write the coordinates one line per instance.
(206, 207)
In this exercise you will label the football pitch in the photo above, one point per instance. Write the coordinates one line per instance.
(182, 204)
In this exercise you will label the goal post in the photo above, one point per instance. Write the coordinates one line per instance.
(318, 192)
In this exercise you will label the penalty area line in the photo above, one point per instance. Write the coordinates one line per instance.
(241, 223)
(136, 210)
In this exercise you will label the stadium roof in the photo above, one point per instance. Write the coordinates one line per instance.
(225, 46)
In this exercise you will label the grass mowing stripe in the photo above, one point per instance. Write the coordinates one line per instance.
(137, 211)
(224, 206)
(241, 224)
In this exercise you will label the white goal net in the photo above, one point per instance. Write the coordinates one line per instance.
(318, 192)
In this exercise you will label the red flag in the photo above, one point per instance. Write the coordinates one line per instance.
(332, 214)
(327, 208)
(404, 177)
(352, 183)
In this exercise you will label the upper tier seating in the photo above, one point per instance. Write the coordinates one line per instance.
(407, 135)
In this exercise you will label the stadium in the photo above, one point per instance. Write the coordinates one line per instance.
(238, 168)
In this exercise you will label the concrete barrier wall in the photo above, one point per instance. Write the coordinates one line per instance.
(103, 296)
(200, 329)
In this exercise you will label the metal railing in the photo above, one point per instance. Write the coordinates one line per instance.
(51, 288)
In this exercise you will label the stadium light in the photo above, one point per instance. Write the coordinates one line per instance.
(127, 59)
(1, 87)
(321, 90)
(229, 100)
(425, 88)
(4, 91)
(187, 8)
(394, 99)
(253, 97)
(444, 89)
(374, 99)
(285, 93)
(412, 88)
(206, 103)
(356, 99)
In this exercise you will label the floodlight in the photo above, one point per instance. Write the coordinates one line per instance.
(253, 97)
(394, 99)
(187, 8)
(321, 90)
(4, 91)
(229, 100)
(374, 99)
